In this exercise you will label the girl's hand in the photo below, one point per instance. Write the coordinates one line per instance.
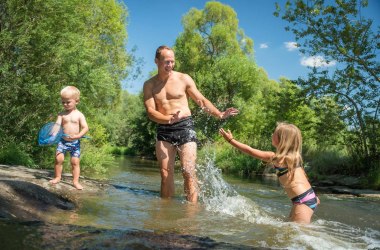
(227, 135)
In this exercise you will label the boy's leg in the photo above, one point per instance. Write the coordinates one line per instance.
(165, 153)
(188, 156)
(59, 158)
(75, 168)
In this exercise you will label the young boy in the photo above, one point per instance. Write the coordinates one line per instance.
(75, 126)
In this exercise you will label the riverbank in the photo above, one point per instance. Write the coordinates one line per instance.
(339, 185)
(27, 195)
(28, 203)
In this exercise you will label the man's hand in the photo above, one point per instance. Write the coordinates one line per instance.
(175, 117)
(229, 112)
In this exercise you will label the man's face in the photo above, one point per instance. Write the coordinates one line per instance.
(167, 61)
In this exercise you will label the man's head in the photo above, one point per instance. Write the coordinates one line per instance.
(165, 59)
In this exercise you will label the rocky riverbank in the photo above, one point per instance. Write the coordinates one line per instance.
(339, 185)
(28, 202)
(26, 194)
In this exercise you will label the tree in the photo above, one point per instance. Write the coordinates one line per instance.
(219, 57)
(340, 34)
(45, 45)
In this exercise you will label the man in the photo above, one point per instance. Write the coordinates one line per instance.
(166, 101)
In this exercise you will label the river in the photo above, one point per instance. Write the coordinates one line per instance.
(245, 212)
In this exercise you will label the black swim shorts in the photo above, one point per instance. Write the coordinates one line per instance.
(178, 133)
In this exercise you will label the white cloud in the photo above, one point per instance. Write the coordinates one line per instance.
(316, 61)
(264, 46)
(290, 46)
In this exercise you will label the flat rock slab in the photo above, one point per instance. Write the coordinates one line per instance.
(40, 235)
(26, 194)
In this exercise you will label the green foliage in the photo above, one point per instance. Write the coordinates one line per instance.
(129, 126)
(327, 161)
(13, 154)
(230, 160)
(209, 34)
(338, 32)
(374, 177)
(48, 44)
(95, 159)
(98, 136)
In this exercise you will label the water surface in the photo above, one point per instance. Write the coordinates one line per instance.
(250, 213)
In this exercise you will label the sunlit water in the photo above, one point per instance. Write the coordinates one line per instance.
(232, 210)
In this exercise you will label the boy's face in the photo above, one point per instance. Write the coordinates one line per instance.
(69, 103)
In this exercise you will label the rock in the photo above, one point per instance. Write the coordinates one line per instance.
(65, 236)
(342, 190)
(26, 194)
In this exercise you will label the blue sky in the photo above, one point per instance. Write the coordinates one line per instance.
(152, 23)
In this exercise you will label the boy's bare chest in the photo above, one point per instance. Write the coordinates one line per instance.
(70, 118)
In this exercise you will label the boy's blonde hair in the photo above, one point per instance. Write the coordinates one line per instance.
(289, 146)
(70, 92)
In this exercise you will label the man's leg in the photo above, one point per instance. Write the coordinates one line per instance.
(188, 156)
(165, 153)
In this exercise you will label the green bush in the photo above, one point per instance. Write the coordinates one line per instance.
(94, 159)
(230, 160)
(374, 177)
(116, 150)
(13, 154)
(327, 161)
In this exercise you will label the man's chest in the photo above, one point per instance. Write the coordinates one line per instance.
(169, 91)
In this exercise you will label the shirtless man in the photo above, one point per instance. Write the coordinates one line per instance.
(166, 101)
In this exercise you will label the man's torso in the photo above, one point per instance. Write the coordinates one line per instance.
(171, 96)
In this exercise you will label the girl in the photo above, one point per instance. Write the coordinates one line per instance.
(287, 161)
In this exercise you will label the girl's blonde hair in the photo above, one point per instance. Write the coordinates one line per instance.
(289, 148)
(71, 92)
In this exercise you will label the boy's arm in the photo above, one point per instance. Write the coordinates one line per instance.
(84, 127)
(56, 127)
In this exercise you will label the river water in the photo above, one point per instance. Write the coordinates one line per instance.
(244, 212)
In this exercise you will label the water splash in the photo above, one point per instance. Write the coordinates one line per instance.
(218, 196)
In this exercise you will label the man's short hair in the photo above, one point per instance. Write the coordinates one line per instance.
(161, 48)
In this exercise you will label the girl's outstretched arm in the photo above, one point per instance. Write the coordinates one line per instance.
(256, 153)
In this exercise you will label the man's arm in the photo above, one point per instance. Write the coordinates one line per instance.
(150, 106)
(204, 103)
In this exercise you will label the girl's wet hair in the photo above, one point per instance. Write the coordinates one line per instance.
(289, 148)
